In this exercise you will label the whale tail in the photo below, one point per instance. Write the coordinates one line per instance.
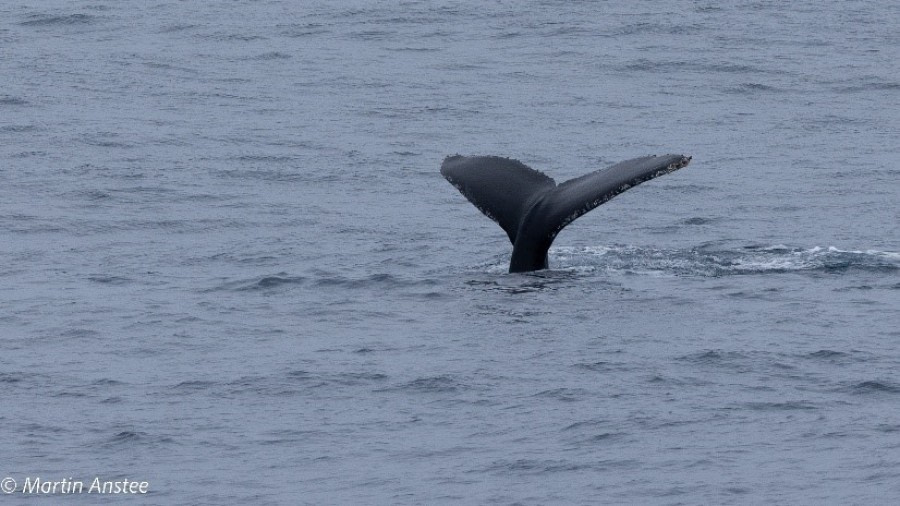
(532, 208)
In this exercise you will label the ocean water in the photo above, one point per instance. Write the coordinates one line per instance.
(230, 268)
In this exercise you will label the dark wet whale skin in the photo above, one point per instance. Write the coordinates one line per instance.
(529, 205)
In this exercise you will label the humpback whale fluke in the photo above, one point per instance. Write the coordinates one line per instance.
(532, 208)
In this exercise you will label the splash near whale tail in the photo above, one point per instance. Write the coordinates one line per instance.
(532, 208)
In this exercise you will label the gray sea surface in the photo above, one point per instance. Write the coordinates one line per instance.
(230, 267)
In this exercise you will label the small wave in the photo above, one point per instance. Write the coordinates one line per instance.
(28, 154)
(194, 386)
(105, 140)
(590, 432)
(178, 27)
(356, 378)
(564, 394)
(827, 355)
(126, 437)
(71, 19)
(780, 406)
(107, 382)
(18, 128)
(289, 436)
(271, 175)
(532, 466)
(752, 89)
(276, 281)
(134, 438)
(714, 357)
(430, 384)
(10, 378)
(644, 28)
(304, 30)
(79, 333)
(372, 35)
(31, 379)
(231, 37)
(35, 429)
(870, 86)
(529, 282)
(272, 282)
(602, 366)
(373, 281)
(698, 220)
(10, 100)
(69, 394)
(323, 280)
(272, 55)
(415, 49)
(733, 361)
(300, 380)
(837, 357)
(646, 65)
(866, 387)
(344, 379)
(601, 438)
(707, 262)
(585, 425)
(110, 280)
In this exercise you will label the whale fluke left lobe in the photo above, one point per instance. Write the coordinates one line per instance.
(501, 188)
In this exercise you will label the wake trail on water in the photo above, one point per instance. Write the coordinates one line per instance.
(712, 262)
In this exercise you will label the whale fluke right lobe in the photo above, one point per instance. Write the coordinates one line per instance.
(529, 205)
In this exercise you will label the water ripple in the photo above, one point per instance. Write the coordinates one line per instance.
(871, 387)
(50, 20)
(706, 262)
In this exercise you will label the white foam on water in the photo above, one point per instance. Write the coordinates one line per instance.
(655, 262)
